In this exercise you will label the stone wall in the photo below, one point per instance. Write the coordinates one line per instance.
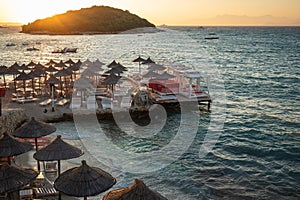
(11, 119)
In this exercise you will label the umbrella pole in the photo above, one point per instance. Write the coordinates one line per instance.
(36, 149)
(8, 160)
(52, 97)
(85, 198)
(4, 80)
(140, 67)
(58, 163)
(61, 87)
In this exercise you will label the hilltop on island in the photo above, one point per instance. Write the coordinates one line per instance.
(93, 20)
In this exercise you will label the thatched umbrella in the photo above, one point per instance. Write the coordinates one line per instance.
(52, 81)
(31, 64)
(37, 73)
(69, 62)
(34, 129)
(51, 69)
(138, 191)
(63, 73)
(51, 62)
(139, 60)
(148, 61)
(10, 146)
(13, 178)
(111, 79)
(151, 74)
(13, 71)
(23, 77)
(113, 63)
(58, 150)
(61, 64)
(156, 67)
(87, 62)
(84, 181)
(23, 67)
(2, 72)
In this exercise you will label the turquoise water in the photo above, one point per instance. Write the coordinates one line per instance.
(257, 154)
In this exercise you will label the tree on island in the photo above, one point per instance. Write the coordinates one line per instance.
(93, 20)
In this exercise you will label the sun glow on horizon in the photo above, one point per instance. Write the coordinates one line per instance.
(25, 11)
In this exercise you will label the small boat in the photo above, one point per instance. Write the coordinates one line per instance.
(25, 43)
(65, 50)
(32, 49)
(211, 38)
(10, 44)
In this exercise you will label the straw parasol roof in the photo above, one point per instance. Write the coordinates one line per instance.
(75, 67)
(12, 70)
(15, 65)
(51, 69)
(156, 67)
(58, 150)
(84, 181)
(22, 76)
(113, 63)
(13, 178)
(70, 62)
(138, 191)
(10, 146)
(139, 59)
(83, 83)
(3, 69)
(52, 80)
(34, 129)
(87, 62)
(111, 79)
(98, 63)
(151, 74)
(61, 64)
(51, 62)
(165, 76)
(31, 64)
(23, 67)
(39, 66)
(148, 61)
(64, 72)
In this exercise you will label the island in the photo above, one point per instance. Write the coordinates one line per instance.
(93, 20)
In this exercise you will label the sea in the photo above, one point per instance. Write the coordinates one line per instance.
(246, 147)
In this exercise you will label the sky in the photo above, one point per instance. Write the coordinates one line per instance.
(169, 12)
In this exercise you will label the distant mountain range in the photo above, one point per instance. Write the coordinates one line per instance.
(94, 20)
(266, 20)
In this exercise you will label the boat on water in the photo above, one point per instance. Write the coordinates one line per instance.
(32, 49)
(211, 38)
(65, 50)
(10, 44)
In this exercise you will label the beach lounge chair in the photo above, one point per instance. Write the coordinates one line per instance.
(106, 103)
(91, 103)
(44, 191)
(62, 102)
(50, 166)
(126, 102)
(46, 102)
(43, 187)
(75, 103)
(26, 100)
(26, 193)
